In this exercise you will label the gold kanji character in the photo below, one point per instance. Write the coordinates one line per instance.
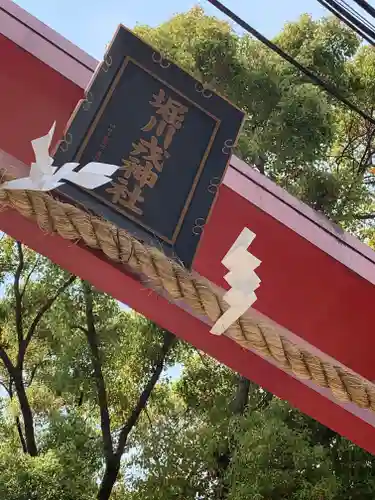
(161, 125)
(142, 173)
(150, 125)
(172, 116)
(123, 196)
(154, 153)
(171, 111)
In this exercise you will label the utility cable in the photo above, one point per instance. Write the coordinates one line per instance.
(366, 6)
(275, 48)
(352, 21)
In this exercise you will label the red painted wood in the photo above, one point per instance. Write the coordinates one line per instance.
(32, 97)
(303, 288)
(297, 278)
(112, 280)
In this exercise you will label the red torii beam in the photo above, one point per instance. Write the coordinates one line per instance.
(317, 282)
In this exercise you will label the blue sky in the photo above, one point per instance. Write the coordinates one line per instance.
(90, 24)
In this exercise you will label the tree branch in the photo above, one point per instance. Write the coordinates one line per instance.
(241, 398)
(45, 308)
(20, 435)
(264, 402)
(17, 293)
(9, 391)
(11, 386)
(364, 216)
(169, 341)
(6, 360)
(80, 399)
(29, 275)
(350, 145)
(112, 467)
(224, 453)
(34, 370)
(203, 361)
(148, 417)
(367, 153)
(6, 388)
(27, 414)
(92, 338)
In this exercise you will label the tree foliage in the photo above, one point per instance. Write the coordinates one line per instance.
(87, 406)
(296, 133)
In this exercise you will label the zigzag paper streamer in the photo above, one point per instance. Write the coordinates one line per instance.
(44, 177)
(242, 279)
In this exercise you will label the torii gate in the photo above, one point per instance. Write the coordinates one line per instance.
(309, 336)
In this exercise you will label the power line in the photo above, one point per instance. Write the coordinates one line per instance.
(358, 14)
(366, 6)
(275, 48)
(353, 20)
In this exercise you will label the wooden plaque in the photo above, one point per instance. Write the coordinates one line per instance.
(171, 136)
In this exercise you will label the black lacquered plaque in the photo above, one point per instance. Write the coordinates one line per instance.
(171, 137)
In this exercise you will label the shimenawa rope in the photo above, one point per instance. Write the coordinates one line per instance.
(72, 223)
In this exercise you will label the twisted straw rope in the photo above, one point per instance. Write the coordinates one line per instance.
(72, 223)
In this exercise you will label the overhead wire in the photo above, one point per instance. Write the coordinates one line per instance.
(366, 6)
(357, 14)
(284, 55)
(352, 20)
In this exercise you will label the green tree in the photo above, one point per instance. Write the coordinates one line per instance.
(320, 151)
(223, 439)
(86, 371)
(123, 403)
(295, 133)
(86, 409)
(24, 315)
(40, 447)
